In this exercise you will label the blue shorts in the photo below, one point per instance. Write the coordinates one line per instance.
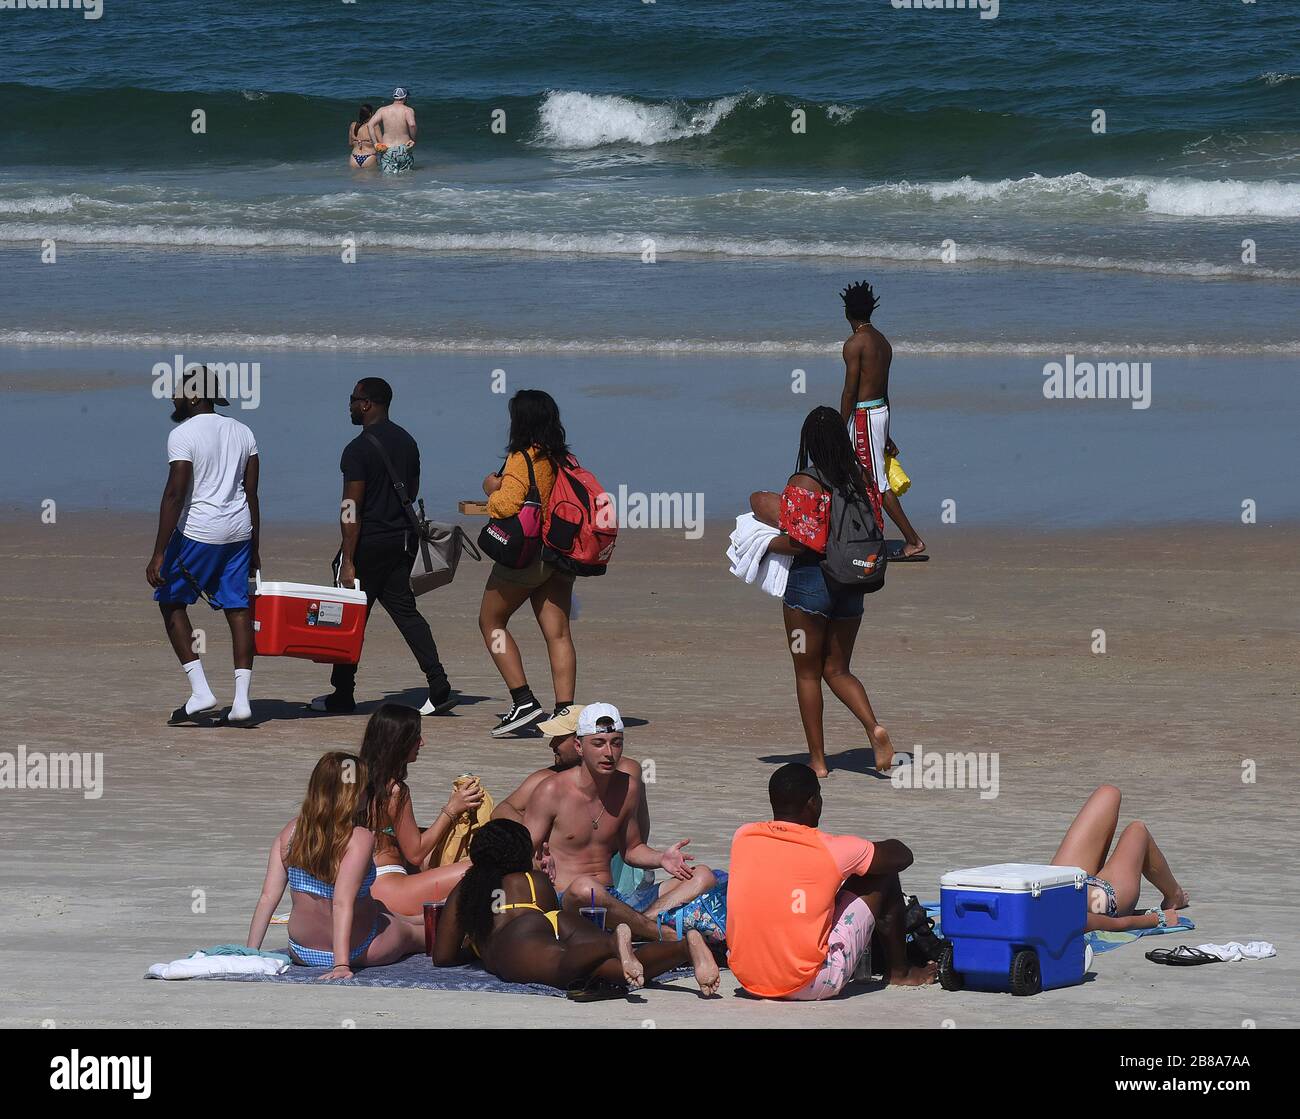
(221, 570)
(806, 589)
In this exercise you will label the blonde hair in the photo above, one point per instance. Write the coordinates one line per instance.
(329, 812)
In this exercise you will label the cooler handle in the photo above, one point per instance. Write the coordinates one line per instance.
(989, 907)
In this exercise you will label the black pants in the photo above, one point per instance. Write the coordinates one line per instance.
(384, 568)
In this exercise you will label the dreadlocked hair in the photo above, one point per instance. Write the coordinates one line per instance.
(859, 301)
(391, 735)
(328, 814)
(499, 847)
(824, 443)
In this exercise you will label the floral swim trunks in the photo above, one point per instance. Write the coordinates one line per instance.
(852, 923)
(396, 159)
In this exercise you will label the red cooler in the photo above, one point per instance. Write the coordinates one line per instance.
(321, 624)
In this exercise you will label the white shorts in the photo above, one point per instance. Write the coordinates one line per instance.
(869, 432)
(852, 923)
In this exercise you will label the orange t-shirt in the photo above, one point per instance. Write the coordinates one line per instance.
(780, 897)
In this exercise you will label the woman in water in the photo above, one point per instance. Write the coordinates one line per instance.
(511, 919)
(324, 855)
(1115, 877)
(361, 139)
(392, 743)
(821, 623)
(537, 439)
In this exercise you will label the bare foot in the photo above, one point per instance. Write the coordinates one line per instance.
(820, 770)
(633, 972)
(914, 549)
(707, 974)
(882, 746)
(1180, 900)
(915, 976)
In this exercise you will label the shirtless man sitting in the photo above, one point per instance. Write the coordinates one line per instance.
(395, 123)
(588, 813)
(864, 406)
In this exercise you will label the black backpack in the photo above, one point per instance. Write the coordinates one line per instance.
(856, 555)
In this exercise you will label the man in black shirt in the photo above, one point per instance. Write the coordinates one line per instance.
(379, 543)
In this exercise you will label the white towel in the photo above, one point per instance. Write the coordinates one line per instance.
(1234, 950)
(749, 558)
(199, 965)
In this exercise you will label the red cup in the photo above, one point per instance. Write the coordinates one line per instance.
(432, 909)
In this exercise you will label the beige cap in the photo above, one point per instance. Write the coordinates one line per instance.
(566, 722)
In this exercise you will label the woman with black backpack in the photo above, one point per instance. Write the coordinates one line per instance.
(517, 495)
(827, 492)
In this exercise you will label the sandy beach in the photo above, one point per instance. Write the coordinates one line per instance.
(987, 648)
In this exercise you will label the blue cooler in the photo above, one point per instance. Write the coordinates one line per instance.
(1015, 927)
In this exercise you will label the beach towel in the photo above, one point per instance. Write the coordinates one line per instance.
(1234, 950)
(749, 559)
(412, 973)
(1098, 941)
(202, 965)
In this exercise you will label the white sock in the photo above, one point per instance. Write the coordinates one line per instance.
(201, 696)
(240, 708)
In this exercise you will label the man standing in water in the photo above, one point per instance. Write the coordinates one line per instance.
(395, 123)
(379, 544)
(589, 813)
(864, 406)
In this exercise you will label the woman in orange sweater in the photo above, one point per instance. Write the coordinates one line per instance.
(535, 431)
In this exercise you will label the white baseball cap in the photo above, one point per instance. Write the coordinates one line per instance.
(593, 713)
(400, 94)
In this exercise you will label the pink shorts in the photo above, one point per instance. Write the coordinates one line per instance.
(852, 923)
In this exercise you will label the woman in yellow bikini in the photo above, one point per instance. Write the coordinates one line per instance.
(510, 918)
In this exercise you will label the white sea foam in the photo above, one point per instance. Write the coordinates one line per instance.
(651, 346)
(181, 237)
(573, 120)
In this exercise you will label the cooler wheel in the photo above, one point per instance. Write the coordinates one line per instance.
(949, 979)
(1026, 977)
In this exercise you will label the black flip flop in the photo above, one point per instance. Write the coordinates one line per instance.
(1182, 956)
(596, 991)
(899, 557)
(180, 717)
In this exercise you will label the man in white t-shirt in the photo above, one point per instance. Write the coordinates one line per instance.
(207, 538)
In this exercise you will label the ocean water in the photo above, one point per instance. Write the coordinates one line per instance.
(651, 240)
(630, 123)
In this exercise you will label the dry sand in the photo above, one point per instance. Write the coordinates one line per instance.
(986, 648)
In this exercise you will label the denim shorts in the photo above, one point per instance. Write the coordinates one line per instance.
(807, 590)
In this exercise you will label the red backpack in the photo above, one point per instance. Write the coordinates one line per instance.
(580, 525)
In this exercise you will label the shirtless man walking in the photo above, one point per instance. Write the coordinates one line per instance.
(396, 124)
(588, 813)
(864, 406)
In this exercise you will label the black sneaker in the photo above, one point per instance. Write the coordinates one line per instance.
(336, 703)
(442, 705)
(519, 716)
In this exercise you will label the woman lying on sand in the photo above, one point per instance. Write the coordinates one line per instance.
(821, 624)
(392, 742)
(1115, 882)
(324, 856)
(511, 919)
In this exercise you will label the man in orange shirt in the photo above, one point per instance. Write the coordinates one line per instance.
(802, 904)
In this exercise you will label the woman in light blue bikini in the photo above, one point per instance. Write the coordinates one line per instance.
(1115, 877)
(362, 142)
(326, 858)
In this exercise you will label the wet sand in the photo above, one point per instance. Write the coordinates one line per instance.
(986, 648)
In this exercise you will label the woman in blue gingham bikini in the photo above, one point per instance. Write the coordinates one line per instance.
(1114, 878)
(327, 860)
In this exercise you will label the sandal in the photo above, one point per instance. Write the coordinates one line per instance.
(1182, 956)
